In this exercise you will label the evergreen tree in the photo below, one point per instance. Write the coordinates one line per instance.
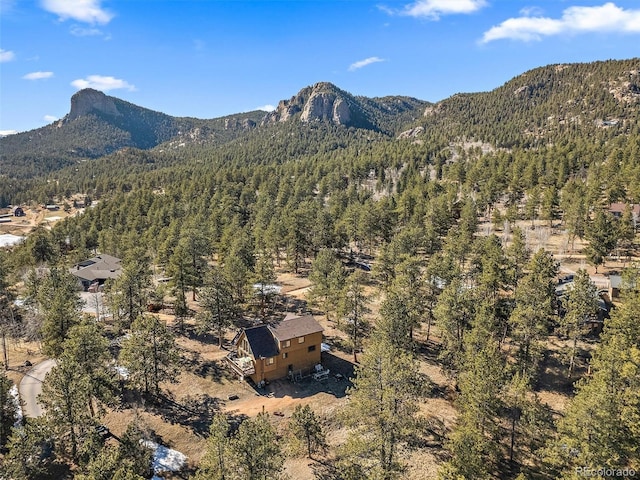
(130, 459)
(264, 275)
(218, 307)
(327, 278)
(305, 426)
(602, 236)
(29, 452)
(601, 425)
(65, 397)
(215, 463)
(88, 348)
(473, 444)
(254, 451)
(128, 295)
(354, 308)
(149, 354)
(453, 313)
(530, 320)
(9, 325)
(8, 410)
(59, 304)
(382, 409)
(581, 305)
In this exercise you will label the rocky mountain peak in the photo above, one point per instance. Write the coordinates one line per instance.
(89, 100)
(323, 102)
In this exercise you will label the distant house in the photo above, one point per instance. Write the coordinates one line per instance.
(95, 271)
(617, 209)
(52, 207)
(290, 348)
(18, 212)
(615, 285)
(596, 320)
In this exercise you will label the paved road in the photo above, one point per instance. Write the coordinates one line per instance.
(31, 386)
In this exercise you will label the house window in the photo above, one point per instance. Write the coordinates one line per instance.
(286, 344)
(312, 348)
(270, 361)
(300, 339)
(285, 355)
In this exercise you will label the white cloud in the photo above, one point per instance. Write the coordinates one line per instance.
(363, 63)
(433, 9)
(79, 31)
(50, 118)
(4, 133)
(6, 55)
(87, 11)
(37, 75)
(266, 108)
(605, 18)
(99, 82)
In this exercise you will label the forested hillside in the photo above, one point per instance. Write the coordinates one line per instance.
(430, 246)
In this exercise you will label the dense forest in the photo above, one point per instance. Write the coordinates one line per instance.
(437, 201)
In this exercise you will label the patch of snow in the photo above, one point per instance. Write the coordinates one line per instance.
(324, 347)
(165, 459)
(16, 399)
(122, 371)
(267, 288)
(8, 240)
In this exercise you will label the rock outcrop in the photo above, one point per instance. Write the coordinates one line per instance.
(322, 102)
(89, 100)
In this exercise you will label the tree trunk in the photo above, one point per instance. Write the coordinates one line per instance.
(4, 351)
(513, 436)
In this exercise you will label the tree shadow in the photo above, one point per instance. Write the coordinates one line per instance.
(194, 412)
(215, 370)
(553, 375)
(325, 470)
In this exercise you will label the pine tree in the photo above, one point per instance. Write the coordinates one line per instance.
(218, 307)
(580, 305)
(65, 397)
(59, 304)
(254, 451)
(29, 452)
(602, 236)
(264, 275)
(215, 463)
(327, 277)
(149, 354)
(305, 426)
(88, 348)
(8, 409)
(354, 308)
(530, 320)
(601, 425)
(473, 444)
(453, 313)
(382, 409)
(128, 295)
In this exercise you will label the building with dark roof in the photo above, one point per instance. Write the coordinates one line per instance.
(96, 270)
(268, 352)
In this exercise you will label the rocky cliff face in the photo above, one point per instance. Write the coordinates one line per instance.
(89, 100)
(328, 107)
(322, 102)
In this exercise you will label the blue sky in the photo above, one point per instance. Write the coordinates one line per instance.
(209, 58)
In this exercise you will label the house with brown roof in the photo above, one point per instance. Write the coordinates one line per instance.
(95, 271)
(618, 208)
(269, 352)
